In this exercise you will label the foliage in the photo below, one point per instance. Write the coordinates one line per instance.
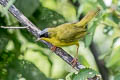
(21, 58)
(83, 74)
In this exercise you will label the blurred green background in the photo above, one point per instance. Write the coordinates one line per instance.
(22, 58)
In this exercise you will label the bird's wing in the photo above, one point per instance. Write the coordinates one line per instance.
(69, 33)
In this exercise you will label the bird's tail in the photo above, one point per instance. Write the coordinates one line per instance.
(89, 16)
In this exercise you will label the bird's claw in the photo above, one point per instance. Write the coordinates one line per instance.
(53, 48)
(74, 62)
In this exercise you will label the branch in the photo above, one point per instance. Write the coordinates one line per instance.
(11, 27)
(36, 32)
(103, 70)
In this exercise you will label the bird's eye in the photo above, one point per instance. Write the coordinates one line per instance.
(86, 26)
(45, 35)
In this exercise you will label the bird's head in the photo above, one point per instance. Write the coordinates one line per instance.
(44, 33)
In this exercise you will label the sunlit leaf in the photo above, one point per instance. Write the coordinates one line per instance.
(85, 74)
(70, 76)
(114, 58)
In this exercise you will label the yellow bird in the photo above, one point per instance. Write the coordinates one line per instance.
(68, 34)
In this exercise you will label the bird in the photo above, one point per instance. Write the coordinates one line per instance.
(68, 34)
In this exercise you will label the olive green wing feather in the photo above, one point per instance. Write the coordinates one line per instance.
(69, 33)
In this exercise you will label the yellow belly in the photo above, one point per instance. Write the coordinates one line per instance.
(59, 43)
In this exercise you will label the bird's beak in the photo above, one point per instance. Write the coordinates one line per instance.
(38, 39)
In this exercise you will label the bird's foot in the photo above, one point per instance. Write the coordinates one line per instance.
(74, 62)
(53, 48)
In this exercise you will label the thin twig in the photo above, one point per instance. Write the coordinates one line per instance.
(11, 27)
(36, 32)
(100, 64)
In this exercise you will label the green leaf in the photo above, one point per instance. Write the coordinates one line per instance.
(70, 76)
(117, 76)
(89, 36)
(5, 59)
(114, 58)
(3, 39)
(44, 17)
(110, 22)
(24, 69)
(85, 74)
(91, 30)
(83, 61)
(64, 8)
(6, 18)
(4, 36)
(27, 6)
(27, 35)
(101, 2)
